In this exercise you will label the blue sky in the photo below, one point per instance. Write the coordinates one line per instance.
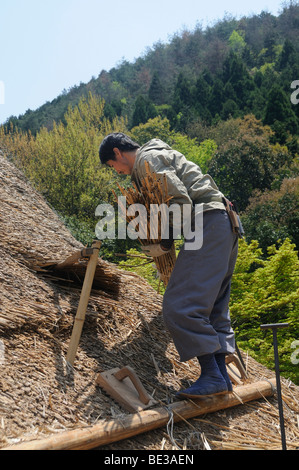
(51, 45)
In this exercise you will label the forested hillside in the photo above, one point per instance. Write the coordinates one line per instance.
(232, 68)
(228, 98)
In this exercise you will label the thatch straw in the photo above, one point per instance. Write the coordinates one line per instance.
(40, 396)
(34, 240)
(153, 190)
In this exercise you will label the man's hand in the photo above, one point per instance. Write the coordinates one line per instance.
(154, 250)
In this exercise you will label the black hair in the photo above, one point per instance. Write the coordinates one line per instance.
(115, 140)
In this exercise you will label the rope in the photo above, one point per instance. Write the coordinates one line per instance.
(169, 428)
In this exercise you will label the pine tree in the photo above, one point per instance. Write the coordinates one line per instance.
(144, 110)
(182, 96)
(236, 74)
(280, 115)
(237, 42)
(156, 91)
(288, 55)
(201, 98)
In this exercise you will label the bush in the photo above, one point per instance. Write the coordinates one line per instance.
(245, 160)
(273, 215)
(266, 290)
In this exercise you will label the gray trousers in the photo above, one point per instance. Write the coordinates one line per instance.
(196, 301)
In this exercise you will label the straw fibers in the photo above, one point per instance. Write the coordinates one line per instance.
(41, 396)
(152, 193)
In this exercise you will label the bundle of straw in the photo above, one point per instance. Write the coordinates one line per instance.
(152, 190)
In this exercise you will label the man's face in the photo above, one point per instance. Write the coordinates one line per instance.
(121, 164)
(121, 167)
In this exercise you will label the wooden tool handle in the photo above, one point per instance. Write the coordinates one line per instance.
(80, 316)
(129, 372)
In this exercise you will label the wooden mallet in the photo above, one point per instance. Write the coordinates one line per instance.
(84, 298)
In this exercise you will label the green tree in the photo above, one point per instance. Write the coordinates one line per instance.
(144, 110)
(201, 98)
(154, 128)
(201, 154)
(156, 91)
(273, 215)
(288, 56)
(245, 159)
(217, 97)
(270, 43)
(265, 289)
(182, 103)
(243, 88)
(237, 42)
(280, 115)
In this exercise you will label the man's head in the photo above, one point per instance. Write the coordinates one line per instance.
(118, 151)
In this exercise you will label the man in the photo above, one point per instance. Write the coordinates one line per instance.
(195, 303)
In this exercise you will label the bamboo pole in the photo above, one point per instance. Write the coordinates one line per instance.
(84, 298)
(118, 429)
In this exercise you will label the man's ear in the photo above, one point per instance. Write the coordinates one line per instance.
(117, 153)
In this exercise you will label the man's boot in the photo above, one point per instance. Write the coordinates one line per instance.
(220, 359)
(210, 382)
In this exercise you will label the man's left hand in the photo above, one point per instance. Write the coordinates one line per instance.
(154, 250)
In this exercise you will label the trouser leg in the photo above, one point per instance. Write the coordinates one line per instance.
(220, 315)
(195, 305)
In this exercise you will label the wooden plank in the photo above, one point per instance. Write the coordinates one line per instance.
(118, 429)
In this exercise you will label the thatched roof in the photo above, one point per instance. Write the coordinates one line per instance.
(40, 396)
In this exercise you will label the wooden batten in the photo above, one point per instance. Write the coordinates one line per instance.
(118, 429)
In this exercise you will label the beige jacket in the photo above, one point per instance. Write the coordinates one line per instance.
(186, 182)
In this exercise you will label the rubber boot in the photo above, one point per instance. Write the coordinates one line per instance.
(210, 382)
(220, 359)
